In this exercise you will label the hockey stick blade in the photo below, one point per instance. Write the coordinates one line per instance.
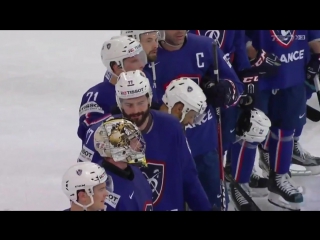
(244, 193)
(313, 114)
(317, 86)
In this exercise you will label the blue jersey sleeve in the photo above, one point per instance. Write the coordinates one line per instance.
(193, 191)
(313, 35)
(227, 72)
(88, 152)
(241, 60)
(107, 76)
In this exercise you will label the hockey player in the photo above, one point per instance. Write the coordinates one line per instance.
(86, 185)
(118, 54)
(187, 55)
(171, 171)
(149, 42)
(281, 97)
(303, 163)
(122, 148)
(185, 100)
(300, 156)
(233, 44)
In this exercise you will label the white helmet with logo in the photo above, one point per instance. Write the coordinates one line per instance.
(84, 176)
(189, 93)
(136, 33)
(132, 84)
(258, 126)
(117, 49)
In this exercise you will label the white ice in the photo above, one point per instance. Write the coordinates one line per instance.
(43, 75)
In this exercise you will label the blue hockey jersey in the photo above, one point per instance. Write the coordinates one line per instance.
(202, 137)
(291, 46)
(95, 104)
(232, 43)
(131, 192)
(171, 170)
(194, 60)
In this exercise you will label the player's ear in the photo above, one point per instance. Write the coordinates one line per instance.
(116, 69)
(82, 196)
(177, 108)
(163, 108)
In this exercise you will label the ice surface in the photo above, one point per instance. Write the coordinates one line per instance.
(43, 75)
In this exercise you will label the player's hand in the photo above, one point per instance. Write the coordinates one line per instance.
(265, 64)
(247, 101)
(223, 94)
(313, 68)
(250, 81)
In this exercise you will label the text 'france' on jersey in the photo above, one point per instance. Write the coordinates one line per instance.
(291, 46)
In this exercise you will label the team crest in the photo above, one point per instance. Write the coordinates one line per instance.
(148, 206)
(154, 173)
(79, 172)
(283, 37)
(189, 89)
(218, 35)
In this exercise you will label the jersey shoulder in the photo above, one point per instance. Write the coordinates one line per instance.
(199, 39)
(166, 121)
(100, 87)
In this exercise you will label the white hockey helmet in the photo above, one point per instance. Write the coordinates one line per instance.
(118, 49)
(115, 37)
(136, 33)
(258, 127)
(162, 35)
(120, 140)
(132, 84)
(189, 93)
(84, 176)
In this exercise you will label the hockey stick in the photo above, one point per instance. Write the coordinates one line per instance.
(220, 146)
(317, 86)
(314, 114)
(219, 130)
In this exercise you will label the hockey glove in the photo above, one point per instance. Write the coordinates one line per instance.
(313, 68)
(243, 123)
(222, 94)
(251, 89)
(265, 64)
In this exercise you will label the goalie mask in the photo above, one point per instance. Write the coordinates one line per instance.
(120, 140)
(253, 126)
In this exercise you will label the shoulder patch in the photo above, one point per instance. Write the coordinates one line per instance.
(86, 154)
(113, 199)
(90, 107)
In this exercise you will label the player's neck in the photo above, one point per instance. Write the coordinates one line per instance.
(113, 80)
(147, 125)
(170, 47)
(121, 165)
